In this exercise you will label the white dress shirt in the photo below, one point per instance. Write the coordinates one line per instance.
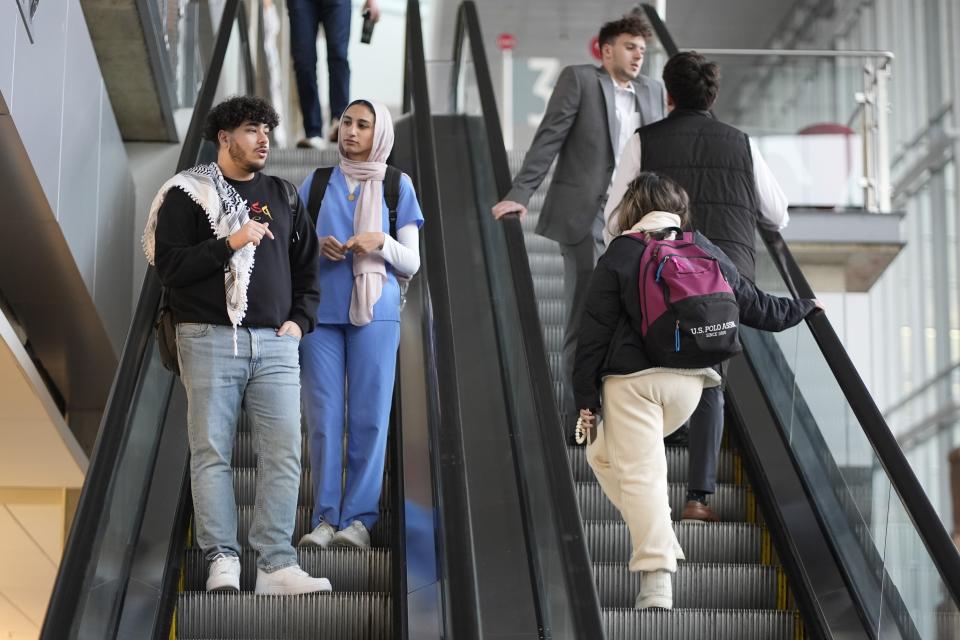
(773, 201)
(628, 118)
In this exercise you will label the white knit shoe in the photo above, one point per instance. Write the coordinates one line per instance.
(656, 590)
(319, 537)
(356, 536)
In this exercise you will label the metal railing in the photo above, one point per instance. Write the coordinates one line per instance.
(584, 606)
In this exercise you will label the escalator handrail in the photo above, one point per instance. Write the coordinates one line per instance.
(67, 590)
(571, 539)
(901, 476)
(460, 604)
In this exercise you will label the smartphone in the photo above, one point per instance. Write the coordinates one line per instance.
(367, 32)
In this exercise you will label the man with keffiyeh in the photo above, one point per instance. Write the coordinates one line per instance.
(237, 254)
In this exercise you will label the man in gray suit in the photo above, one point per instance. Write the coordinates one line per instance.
(590, 116)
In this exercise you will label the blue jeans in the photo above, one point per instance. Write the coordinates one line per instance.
(305, 19)
(348, 375)
(263, 379)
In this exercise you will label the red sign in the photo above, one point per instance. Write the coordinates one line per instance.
(506, 41)
(595, 48)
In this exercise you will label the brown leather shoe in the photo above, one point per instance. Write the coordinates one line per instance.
(697, 511)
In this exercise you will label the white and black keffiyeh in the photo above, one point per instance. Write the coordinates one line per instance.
(226, 211)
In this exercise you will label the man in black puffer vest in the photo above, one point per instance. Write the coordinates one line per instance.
(731, 190)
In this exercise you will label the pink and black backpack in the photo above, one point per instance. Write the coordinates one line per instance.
(690, 314)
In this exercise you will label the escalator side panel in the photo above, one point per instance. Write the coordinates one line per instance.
(807, 555)
(495, 509)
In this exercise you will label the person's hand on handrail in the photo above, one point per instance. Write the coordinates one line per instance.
(504, 207)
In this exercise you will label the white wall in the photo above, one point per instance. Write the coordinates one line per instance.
(60, 107)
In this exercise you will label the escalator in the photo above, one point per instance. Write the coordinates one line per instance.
(825, 531)
(491, 526)
(131, 567)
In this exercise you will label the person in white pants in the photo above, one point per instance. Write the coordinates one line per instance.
(642, 402)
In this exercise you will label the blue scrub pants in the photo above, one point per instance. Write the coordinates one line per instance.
(360, 361)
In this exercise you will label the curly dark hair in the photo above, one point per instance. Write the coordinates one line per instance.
(632, 23)
(233, 112)
(692, 81)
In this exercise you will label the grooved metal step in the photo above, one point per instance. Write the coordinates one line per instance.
(344, 616)
(729, 502)
(678, 462)
(725, 542)
(347, 569)
(696, 624)
(707, 586)
(244, 487)
(379, 536)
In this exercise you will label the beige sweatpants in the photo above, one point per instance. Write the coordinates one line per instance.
(630, 461)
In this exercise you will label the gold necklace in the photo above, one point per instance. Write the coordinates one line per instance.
(351, 196)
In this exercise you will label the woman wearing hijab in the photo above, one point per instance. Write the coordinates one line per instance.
(348, 362)
(640, 402)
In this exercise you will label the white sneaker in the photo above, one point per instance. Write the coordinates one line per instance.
(224, 573)
(656, 590)
(356, 536)
(319, 537)
(313, 142)
(290, 581)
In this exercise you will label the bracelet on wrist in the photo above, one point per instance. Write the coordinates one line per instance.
(227, 240)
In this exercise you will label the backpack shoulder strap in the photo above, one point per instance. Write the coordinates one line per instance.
(293, 200)
(391, 193)
(321, 177)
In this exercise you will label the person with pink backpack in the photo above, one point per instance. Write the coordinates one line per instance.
(662, 313)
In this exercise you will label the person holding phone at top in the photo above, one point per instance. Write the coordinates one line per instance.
(348, 363)
(306, 16)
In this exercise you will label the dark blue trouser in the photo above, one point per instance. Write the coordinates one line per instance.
(703, 440)
(305, 19)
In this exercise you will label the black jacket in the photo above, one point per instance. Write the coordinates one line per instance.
(712, 161)
(610, 342)
(191, 261)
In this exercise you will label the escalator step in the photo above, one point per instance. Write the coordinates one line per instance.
(729, 542)
(548, 286)
(708, 586)
(677, 464)
(538, 245)
(545, 264)
(244, 487)
(347, 569)
(344, 616)
(552, 312)
(729, 502)
(379, 536)
(685, 624)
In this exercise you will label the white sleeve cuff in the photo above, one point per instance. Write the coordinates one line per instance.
(403, 253)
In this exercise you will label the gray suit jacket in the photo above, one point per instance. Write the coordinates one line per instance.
(581, 125)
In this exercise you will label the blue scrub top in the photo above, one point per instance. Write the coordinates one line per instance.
(336, 278)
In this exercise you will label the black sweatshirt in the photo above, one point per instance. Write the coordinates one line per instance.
(610, 342)
(191, 261)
